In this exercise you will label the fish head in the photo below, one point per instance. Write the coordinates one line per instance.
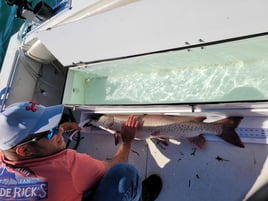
(106, 121)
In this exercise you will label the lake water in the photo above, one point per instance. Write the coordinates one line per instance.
(9, 25)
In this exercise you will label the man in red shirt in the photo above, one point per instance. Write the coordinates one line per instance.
(35, 165)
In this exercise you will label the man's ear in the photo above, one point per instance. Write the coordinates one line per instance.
(23, 150)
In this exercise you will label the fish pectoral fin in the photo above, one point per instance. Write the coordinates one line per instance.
(198, 141)
(163, 140)
(155, 133)
(140, 120)
(116, 138)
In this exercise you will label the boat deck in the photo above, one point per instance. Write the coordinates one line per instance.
(219, 172)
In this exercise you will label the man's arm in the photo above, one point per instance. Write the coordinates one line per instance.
(128, 132)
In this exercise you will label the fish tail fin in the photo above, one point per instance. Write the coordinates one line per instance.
(228, 130)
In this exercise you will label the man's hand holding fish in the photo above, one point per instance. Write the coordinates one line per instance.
(127, 131)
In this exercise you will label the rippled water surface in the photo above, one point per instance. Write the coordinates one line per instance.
(225, 72)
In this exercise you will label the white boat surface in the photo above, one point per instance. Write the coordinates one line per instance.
(191, 58)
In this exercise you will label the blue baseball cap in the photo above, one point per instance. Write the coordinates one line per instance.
(21, 119)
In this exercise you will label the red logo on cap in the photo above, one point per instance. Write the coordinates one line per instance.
(32, 106)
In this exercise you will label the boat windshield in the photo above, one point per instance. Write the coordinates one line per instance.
(230, 71)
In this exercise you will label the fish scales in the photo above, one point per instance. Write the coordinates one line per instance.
(180, 130)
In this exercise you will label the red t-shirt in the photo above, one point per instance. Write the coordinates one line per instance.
(60, 177)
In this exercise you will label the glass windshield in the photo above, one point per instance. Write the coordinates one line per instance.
(224, 72)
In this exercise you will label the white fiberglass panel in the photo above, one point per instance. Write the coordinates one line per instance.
(151, 25)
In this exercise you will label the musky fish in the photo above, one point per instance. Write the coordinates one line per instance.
(177, 127)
